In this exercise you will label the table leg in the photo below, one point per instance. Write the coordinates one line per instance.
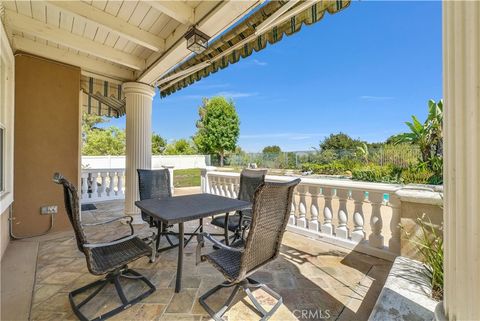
(201, 229)
(226, 229)
(178, 283)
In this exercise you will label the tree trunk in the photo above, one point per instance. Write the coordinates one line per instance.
(221, 159)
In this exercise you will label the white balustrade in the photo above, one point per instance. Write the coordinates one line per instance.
(335, 210)
(102, 185)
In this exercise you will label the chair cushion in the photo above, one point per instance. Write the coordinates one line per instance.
(233, 220)
(227, 261)
(109, 258)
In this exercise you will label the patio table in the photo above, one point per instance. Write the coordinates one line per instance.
(181, 209)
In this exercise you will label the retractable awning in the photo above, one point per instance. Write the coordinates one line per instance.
(267, 25)
(102, 97)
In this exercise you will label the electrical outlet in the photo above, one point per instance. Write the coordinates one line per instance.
(48, 210)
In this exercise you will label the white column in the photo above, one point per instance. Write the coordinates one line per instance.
(461, 89)
(139, 140)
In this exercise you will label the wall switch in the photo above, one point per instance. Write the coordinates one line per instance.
(48, 210)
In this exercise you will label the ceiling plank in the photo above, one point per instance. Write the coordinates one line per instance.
(113, 24)
(48, 32)
(176, 10)
(85, 63)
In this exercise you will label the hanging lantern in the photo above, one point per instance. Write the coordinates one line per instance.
(197, 41)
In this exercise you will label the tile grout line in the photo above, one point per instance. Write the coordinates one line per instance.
(34, 283)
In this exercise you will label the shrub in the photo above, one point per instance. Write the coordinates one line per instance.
(334, 168)
(416, 176)
(429, 243)
(376, 173)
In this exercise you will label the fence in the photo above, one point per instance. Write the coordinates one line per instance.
(399, 155)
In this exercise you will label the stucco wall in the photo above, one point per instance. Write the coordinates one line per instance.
(4, 233)
(410, 213)
(47, 139)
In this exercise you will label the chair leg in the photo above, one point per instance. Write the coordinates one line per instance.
(100, 284)
(246, 287)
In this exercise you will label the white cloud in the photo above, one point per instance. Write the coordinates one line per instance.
(235, 94)
(259, 63)
(376, 98)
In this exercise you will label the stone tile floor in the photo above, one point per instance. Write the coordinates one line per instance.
(318, 281)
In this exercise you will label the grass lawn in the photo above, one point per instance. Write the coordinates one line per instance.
(186, 177)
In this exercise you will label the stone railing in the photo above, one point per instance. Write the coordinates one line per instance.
(109, 184)
(355, 215)
(102, 184)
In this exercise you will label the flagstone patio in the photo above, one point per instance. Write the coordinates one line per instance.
(318, 281)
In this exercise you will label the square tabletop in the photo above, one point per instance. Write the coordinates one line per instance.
(179, 209)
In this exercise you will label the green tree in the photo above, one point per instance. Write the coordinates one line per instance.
(180, 147)
(274, 149)
(218, 127)
(340, 142)
(158, 144)
(363, 152)
(104, 141)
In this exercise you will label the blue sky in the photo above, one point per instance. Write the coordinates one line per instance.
(363, 71)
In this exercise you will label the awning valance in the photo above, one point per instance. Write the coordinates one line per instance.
(102, 97)
(267, 25)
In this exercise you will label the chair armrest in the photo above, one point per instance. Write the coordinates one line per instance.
(128, 217)
(200, 243)
(95, 245)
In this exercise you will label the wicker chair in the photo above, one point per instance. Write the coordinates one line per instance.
(250, 180)
(270, 213)
(110, 258)
(155, 184)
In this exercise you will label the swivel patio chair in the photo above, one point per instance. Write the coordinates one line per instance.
(270, 213)
(109, 258)
(238, 223)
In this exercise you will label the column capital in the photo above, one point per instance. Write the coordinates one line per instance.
(138, 88)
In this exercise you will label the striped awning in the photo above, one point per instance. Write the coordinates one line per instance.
(101, 97)
(265, 26)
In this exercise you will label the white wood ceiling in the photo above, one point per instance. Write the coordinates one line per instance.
(126, 40)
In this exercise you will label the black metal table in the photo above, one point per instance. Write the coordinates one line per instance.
(181, 209)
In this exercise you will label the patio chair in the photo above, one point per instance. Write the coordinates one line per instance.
(250, 180)
(270, 213)
(155, 184)
(109, 258)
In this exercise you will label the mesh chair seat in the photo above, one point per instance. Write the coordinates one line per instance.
(227, 261)
(233, 220)
(109, 258)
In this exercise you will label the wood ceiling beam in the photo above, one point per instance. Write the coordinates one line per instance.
(112, 23)
(48, 32)
(175, 9)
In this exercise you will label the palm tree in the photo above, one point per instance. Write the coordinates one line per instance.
(427, 136)
(363, 152)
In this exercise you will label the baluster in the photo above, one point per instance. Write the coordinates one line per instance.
(314, 194)
(358, 233)
(228, 187)
(84, 185)
(214, 189)
(293, 219)
(302, 208)
(103, 186)
(221, 185)
(375, 239)
(111, 179)
(237, 186)
(342, 230)
(394, 242)
(94, 185)
(327, 226)
(120, 192)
